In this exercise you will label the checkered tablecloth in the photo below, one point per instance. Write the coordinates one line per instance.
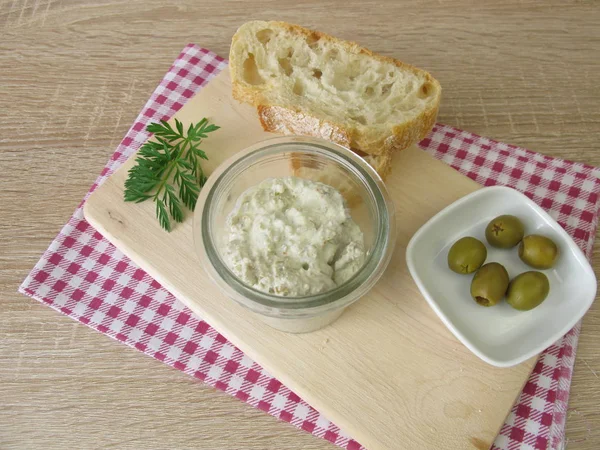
(83, 276)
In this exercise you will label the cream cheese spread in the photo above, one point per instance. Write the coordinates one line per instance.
(292, 237)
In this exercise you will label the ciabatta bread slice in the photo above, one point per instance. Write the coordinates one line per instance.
(307, 82)
(276, 119)
(381, 163)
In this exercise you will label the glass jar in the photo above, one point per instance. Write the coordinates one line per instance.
(317, 160)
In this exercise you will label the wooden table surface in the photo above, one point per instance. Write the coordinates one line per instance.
(74, 75)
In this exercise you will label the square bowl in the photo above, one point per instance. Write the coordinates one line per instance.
(499, 335)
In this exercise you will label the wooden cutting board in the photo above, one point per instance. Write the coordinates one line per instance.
(388, 371)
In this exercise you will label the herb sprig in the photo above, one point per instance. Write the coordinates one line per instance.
(168, 169)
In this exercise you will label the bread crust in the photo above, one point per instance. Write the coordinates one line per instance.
(279, 119)
(381, 163)
(276, 118)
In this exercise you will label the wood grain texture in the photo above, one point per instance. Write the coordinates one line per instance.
(73, 76)
(375, 372)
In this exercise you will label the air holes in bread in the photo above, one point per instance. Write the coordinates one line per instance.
(386, 88)
(317, 74)
(369, 91)
(298, 88)
(251, 74)
(425, 90)
(264, 36)
(312, 40)
(286, 65)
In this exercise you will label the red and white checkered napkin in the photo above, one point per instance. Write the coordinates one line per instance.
(83, 276)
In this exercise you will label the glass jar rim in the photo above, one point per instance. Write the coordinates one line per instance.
(376, 261)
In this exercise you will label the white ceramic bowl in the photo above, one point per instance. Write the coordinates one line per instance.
(500, 335)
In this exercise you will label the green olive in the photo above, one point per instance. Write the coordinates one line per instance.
(504, 231)
(538, 251)
(489, 284)
(528, 290)
(466, 255)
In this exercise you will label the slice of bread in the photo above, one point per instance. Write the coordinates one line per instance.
(309, 83)
(276, 119)
(381, 163)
